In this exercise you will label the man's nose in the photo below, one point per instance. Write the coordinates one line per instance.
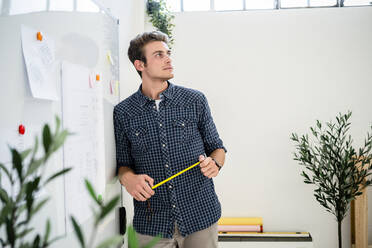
(168, 59)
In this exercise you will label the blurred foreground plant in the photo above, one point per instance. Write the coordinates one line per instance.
(100, 211)
(19, 206)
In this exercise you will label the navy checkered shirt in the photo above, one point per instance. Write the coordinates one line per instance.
(161, 143)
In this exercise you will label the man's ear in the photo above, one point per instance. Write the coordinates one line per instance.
(139, 65)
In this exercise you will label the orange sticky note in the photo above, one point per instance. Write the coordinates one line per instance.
(97, 77)
(39, 36)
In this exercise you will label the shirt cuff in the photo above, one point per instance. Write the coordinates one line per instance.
(213, 147)
(118, 165)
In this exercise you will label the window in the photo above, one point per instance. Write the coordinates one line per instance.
(65, 5)
(357, 2)
(174, 5)
(15, 7)
(220, 5)
(260, 4)
(196, 5)
(228, 5)
(86, 6)
(318, 3)
(26, 6)
(293, 3)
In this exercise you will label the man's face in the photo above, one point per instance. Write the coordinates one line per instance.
(158, 61)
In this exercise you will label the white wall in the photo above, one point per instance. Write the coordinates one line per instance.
(268, 74)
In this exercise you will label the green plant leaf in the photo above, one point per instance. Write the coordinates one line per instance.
(17, 163)
(58, 124)
(110, 206)
(78, 232)
(112, 241)
(22, 194)
(132, 238)
(25, 153)
(57, 175)
(55, 239)
(91, 191)
(22, 223)
(34, 165)
(24, 233)
(100, 199)
(31, 188)
(4, 196)
(2, 167)
(39, 206)
(36, 147)
(36, 241)
(60, 139)
(5, 212)
(47, 138)
(47, 233)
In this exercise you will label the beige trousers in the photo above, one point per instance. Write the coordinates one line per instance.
(207, 238)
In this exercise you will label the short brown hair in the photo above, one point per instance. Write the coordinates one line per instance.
(135, 50)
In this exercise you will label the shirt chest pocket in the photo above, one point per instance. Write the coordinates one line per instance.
(183, 130)
(138, 139)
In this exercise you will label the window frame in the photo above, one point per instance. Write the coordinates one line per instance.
(277, 5)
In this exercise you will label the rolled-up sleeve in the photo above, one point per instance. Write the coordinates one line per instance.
(123, 155)
(207, 127)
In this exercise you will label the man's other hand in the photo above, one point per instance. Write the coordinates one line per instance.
(208, 167)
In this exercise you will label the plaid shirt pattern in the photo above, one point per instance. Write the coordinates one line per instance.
(161, 143)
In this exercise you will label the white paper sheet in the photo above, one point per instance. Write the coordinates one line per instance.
(84, 151)
(42, 68)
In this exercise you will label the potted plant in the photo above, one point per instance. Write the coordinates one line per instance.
(338, 171)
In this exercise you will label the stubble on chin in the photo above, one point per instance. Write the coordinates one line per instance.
(165, 78)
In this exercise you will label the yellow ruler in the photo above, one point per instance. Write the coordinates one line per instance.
(175, 175)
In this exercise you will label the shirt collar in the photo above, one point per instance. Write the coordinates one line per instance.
(168, 93)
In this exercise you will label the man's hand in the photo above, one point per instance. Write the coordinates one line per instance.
(208, 167)
(138, 186)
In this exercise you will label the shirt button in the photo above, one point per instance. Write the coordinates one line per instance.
(163, 145)
(166, 166)
(161, 124)
(173, 206)
(154, 107)
(170, 186)
(137, 134)
(183, 124)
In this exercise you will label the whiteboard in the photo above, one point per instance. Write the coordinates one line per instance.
(81, 38)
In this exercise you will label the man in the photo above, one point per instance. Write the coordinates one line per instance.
(160, 130)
